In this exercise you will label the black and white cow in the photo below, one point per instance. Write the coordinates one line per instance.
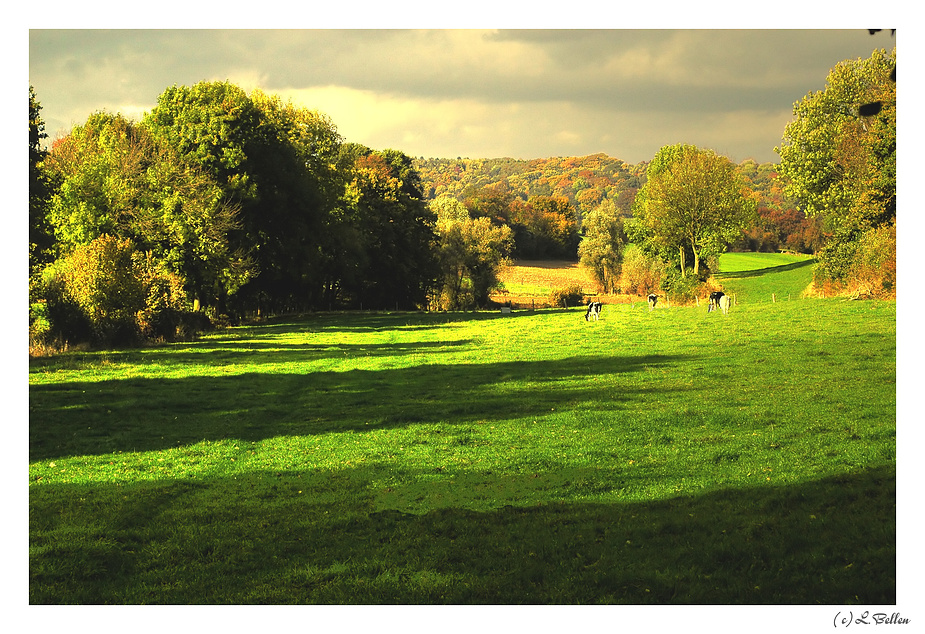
(653, 299)
(594, 311)
(724, 303)
(715, 298)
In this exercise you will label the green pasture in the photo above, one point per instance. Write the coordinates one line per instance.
(764, 277)
(748, 262)
(671, 457)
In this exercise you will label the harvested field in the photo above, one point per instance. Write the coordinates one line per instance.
(529, 283)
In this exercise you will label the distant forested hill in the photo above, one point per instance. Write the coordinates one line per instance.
(584, 180)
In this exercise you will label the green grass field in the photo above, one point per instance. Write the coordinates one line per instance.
(764, 277)
(730, 263)
(671, 457)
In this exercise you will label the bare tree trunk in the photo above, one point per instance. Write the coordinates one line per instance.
(682, 260)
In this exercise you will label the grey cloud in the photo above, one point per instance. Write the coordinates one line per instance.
(715, 69)
(676, 76)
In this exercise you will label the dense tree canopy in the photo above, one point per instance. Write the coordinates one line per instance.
(841, 166)
(396, 264)
(692, 199)
(830, 155)
(270, 159)
(249, 203)
(501, 188)
(240, 203)
(116, 180)
(584, 181)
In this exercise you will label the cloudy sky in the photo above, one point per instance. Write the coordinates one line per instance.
(524, 93)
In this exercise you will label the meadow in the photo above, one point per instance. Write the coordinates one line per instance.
(665, 457)
(764, 277)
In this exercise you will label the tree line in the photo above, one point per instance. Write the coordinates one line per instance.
(219, 204)
(586, 182)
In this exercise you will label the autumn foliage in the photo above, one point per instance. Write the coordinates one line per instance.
(107, 293)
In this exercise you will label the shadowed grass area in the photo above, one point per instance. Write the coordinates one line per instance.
(666, 457)
(312, 537)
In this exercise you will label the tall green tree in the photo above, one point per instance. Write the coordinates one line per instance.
(841, 166)
(692, 199)
(41, 188)
(448, 211)
(824, 148)
(272, 161)
(395, 250)
(601, 247)
(472, 251)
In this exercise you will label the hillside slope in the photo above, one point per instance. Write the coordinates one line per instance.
(764, 277)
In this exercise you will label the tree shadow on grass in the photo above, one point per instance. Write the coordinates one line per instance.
(251, 351)
(364, 322)
(91, 418)
(311, 537)
(261, 344)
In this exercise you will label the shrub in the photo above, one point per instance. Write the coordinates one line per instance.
(874, 270)
(39, 322)
(859, 264)
(641, 273)
(100, 278)
(571, 295)
(836, 259)
(163, 312)
(106, 293)
(683, 289)
(43, 336)
(54, 318)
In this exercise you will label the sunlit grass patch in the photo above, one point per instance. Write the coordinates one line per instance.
(740, 262)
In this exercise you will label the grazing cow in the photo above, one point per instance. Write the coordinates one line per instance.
(594, 311)
(714, 300)
(724, 304)
(653, 299)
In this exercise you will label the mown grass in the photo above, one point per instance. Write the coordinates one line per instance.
(665, 457)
